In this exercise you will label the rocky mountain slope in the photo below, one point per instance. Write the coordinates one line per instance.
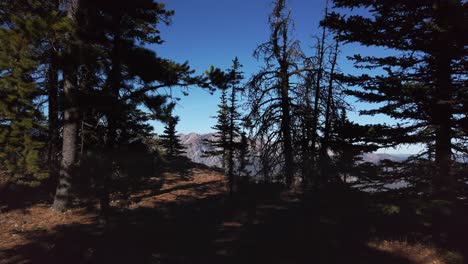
(195, 148)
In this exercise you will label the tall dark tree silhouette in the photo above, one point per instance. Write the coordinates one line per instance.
(269, 90)
(52, 88)
(318, 78)
(227, 128)
(330, 112)
(218, 146)
(170, 139)
(131, 77)
(348, 141)
(244, 155)
(121, 24)
(422, 82)
(234, 77)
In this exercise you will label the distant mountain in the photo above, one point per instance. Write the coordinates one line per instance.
(377, 157)
(195, 147)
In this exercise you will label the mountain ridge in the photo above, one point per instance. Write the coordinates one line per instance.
(195, 148)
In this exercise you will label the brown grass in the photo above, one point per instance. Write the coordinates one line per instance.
(40, 218)
(415, 252)
(36, 218)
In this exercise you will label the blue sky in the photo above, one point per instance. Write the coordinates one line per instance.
(213, 32)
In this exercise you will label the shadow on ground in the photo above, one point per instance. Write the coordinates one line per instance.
(258, 226)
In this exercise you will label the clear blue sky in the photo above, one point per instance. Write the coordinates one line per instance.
(213, 32)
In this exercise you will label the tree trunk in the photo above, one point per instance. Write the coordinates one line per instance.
(53, 112)
(324, 158)
(443, 181)
(286, 133)
(112, 122)
(232, 111)
(231, 171)
(70, 118)
(316, 113)
(307, 133)
(285, 109)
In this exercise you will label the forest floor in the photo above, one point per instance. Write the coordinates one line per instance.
(192, 220)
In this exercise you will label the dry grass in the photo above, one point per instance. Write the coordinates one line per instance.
(202, 184)
(414, 252)
(15, 225)
(40, 218)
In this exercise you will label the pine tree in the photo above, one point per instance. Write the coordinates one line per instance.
(234, 77)
(50, 28)
(422, 82)
(244, 156)
(170, 139)
(128, 75)
(348, 141)
(227, 127)
(21, 126)
(70, 114)
(218, 146)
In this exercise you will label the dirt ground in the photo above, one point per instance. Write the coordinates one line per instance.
(191, 220)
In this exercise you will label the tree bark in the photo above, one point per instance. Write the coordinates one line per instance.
(324, 158)
(53, 115)
(321, 55)
(232, 111)
(443, 181)
(285, 109)
(443, 113)
(286, 133)
(307, 131)
(70, 118)
(112, 121)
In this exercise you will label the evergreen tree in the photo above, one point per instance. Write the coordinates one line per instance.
(218, 145)
(227, 127)
(234, 77)
(422, 81)
(349, 141)
(244, 155)
(170, 139)
(129, 77)
(70, 113)
(21, 127)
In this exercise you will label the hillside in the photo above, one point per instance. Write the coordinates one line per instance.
(195, 148)
(191, 220)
